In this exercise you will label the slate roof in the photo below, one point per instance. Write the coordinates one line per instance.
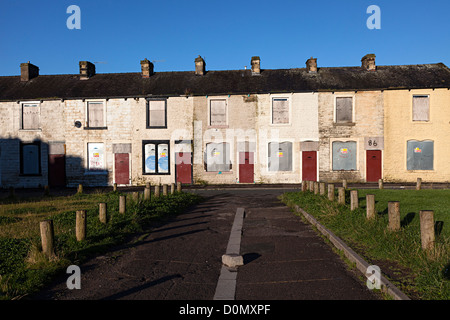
(110, 85)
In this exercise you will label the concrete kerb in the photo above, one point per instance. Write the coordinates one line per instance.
(362, 265)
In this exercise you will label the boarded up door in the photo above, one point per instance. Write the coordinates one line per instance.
(122, 168)
(246, 167)
(373, 165)
(56, 170)
(309, 165)
(183, 167)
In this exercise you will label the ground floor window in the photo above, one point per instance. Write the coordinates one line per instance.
(344, 155)
(96, 157)
(280, 156)
(156, 159)
(30, 158)
(420, 155)
(218, 157)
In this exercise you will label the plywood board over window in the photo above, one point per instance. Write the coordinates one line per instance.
(218, 112)
(157, 114)
(280, 156)
(344, 155)
(218, 157)
(421, 108)
(96, 115)
(344, 109)
(30, 116)
(420, 155)
(280, 111)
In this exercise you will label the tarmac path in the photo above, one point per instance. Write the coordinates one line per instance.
(180, 259)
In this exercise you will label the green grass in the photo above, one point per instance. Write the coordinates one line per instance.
(420, 274)
(23, 267)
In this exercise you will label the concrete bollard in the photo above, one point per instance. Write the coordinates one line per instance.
(115, 187)
(147, 193)
(178, 186)
(316, 187)
(164, 189)
(122, 204)
(341, 195)
(80, 228)
(304, 186)
(394, 215)
(427, 235)
(344, 184)
(380, 184)
(47, 238)
(322, 188)
(331, 192)
(419, 184)
(370, 206)
(102, 212)
(80, 189)
(172, 188)
(157, 191)
(354, 204)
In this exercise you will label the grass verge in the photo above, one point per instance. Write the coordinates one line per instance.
(25, 270)
(419, 274)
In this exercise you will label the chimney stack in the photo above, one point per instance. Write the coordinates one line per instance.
(200, 66)
(368, 62)
(87, 70)
(256, 65)
(28, 71)
(146, 68)
(311, 65)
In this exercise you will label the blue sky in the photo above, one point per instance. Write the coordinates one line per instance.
(118, 34)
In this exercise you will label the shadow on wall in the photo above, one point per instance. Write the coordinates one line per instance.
(35, 164)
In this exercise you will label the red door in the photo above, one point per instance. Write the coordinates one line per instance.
(309, 165)
(183, 167)
(373, 165)
(246, 174)
(122, 168)
(56, 170)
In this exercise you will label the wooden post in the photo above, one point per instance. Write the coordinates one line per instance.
(331, 192)
(147, 185)
(427, 229)
(370, 206)
(354, 200)
(394, 215)
(344, 184)
(164, 189)
(341, 195)
(122, 204)
(304, 186)
(172, 188)
(178, 186)
(380, 183)
(316, 187)
(322, 188)
(80, 188)
(419, 183)
(80, 229)
(135, 196)
(115, 187)
(102, 212)
(46, 191)
(147, 193)
(47, 238)
(12, 192)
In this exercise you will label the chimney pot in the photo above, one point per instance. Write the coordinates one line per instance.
(311, 65)
(87, 70)
(28, 71)
(146, 68)
(256, 64)
(200, 66)
(368, 62)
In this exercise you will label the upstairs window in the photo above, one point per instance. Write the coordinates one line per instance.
(280, 111)
(96, 115)
(218, 112)
(421, 108)
(30, 116)
(156, 114)
(344, 110)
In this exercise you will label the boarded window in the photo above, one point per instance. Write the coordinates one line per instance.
(420, 155)
(280, 111)
(218, 112)
(421, 108)
(156, 157)
(96, 115)
(157, 114)
(280, 156)
(218, 157)
(30, 116)
(96, 157)
(344, 109)
(30, 158)
(344, 155)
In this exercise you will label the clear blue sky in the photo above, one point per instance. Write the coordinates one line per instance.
(226, 33)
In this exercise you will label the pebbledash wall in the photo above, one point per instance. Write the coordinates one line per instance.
(267, 126)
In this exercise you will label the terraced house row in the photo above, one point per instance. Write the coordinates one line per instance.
(253, 125)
